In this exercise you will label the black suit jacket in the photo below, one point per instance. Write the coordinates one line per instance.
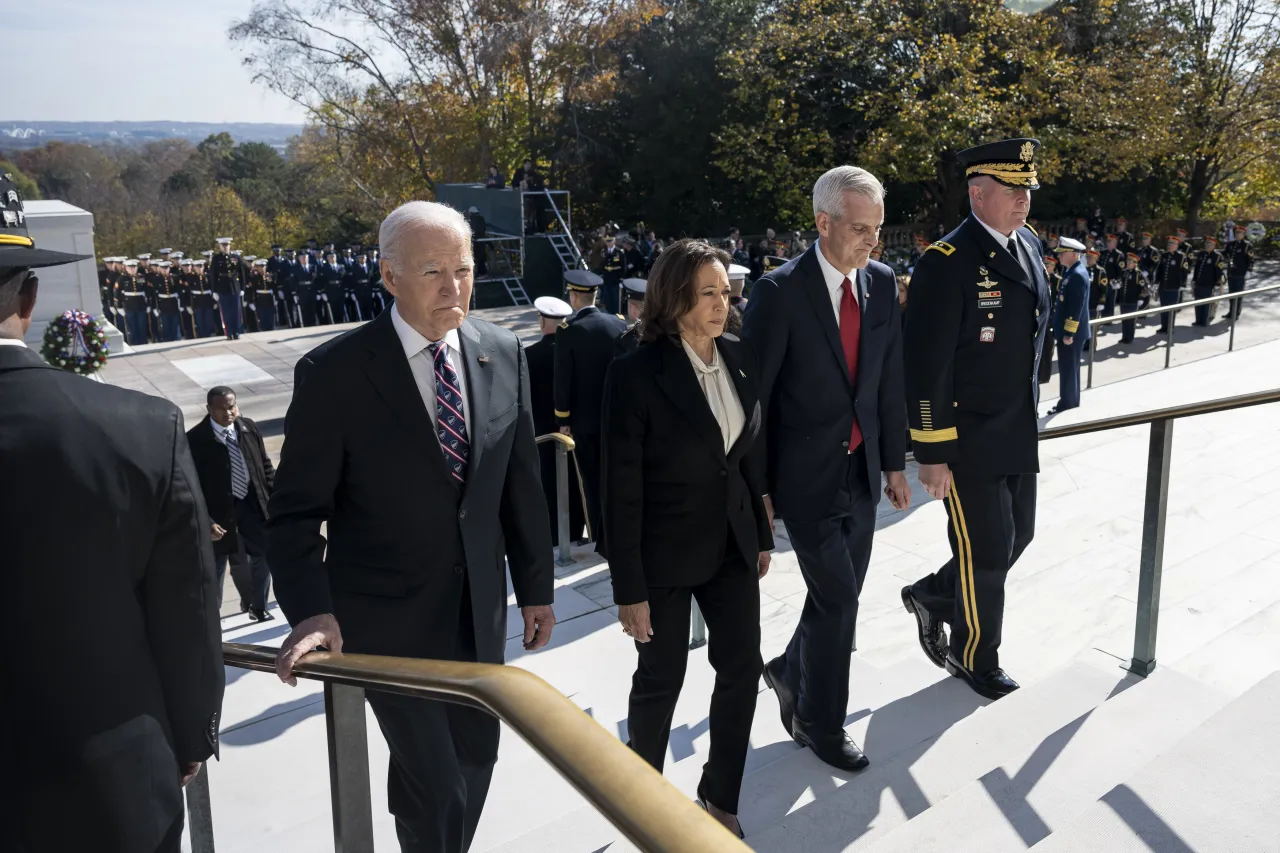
(113, 659)
(213, 465)
(671, 496)
(805, 391)
(584, 348)
(361, 453)
(542, 371)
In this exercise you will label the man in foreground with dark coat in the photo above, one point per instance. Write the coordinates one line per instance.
(112, 676)
(412, 436)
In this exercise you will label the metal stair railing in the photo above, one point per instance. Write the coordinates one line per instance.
(563, 242)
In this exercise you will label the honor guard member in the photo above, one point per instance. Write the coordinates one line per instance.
(348, 257)
(1184, 245)
(612, 267)
(1081, 233)
(1124, 239)
(331, 289)
(187, 285)
(919, 244)
(1130, 288)
(1168, 278)
(737, 284)
(286, 300)
(133, 303)
(1098, 283)
(382, 299)
(360, 288)
(1239, 256)
(979, 309)
(264, 298)
(633, 289)
(250, 294)
(305, 291)
(1208, 272)
(105, 276)
(1148, 254)
(226, 284)
(1112, 260)
(584, 347)
(203, 306)
(541, 358)
(1097, 224)
(168, 309)
(1071, 328)
(1045, 373)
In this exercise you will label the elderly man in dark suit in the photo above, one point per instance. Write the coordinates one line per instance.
(412, 436)
(829, 342)
(236, 477)
(112, 677)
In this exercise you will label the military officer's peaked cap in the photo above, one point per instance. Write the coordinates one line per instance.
(276, 248)
(737, 272)
(636, 287)
(1132, 256)
(1068, 244)
(1009, 161)
(132, 262)
(1240, 229)
(166, 251)
(178, 255)
(144, 256)
(223, 240)
(259, 262)
(208, 253)
(1211, 238)
(583, 281)
(1093, 253)
(552, 307)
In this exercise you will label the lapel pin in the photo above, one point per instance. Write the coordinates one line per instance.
(484, 359)
(743, 375)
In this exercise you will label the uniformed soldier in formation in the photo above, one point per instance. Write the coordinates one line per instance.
(187, 285)
(584, 347)
(637, 264)
(1097, 224)
(1168, 278)
(1184, 245)
(613, 265)
(1148, 255)
(1130, 288)
(1071, 327)
(360, 288)
(1081, 233)
(919, 244)
(227, 285)
(208, 321)
(633, 289)
(305, 290)
(1208, 273)
(331, 291)
(1124, 239)
(134, 303)
(264, 297)
(1098, 283)
(1052, 273)
(168, 307)
(541, 358)
(1239, 256)
(1112, 261)
(979, 309)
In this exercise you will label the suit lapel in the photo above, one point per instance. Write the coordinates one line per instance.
(746, 396)
(389, 372)
(678, 382)
(997, 255)
(815, 286)
(477, 369)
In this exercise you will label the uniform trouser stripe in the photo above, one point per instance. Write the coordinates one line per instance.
(969, 602)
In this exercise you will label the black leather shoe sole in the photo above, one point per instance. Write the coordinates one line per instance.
(851, 760)
(922, 632)
(977, 685)
(786, 711)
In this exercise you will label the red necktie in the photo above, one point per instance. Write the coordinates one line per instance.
(850, 329)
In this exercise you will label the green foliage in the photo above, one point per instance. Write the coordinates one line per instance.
(26, 185)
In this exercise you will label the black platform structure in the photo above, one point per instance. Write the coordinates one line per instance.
(528, 243)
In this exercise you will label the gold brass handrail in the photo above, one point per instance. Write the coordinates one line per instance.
(567, 441)
(645, 807)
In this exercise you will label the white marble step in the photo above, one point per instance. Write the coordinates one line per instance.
(1216, 791)
(1041, 786)
(889, 794)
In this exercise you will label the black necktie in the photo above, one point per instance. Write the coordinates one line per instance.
(1017, 256)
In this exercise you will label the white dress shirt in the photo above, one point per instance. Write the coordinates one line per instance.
(423, 365)
(835, 282)
(12, 342)
(721, 395)
(1003, 239)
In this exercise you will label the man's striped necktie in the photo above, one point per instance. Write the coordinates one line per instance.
(450, 424)
(239, 471)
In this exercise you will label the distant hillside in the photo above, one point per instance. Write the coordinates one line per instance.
(31, 134)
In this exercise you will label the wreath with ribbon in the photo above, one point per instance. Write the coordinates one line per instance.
(76, 343)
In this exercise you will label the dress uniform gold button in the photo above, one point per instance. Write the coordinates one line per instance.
(1037, 312)
(991, 316)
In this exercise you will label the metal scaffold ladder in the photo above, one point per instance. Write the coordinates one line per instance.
(515, 289)
(563, 241)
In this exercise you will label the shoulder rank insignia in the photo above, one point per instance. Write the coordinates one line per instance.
(941, 246)
(1032, 230)
(564, 324)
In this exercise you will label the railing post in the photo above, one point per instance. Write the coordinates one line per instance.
(1231, 309)
(698, 637)
(1093, 348)
(344, 721)
(200, 812)
(1152, 561)
(564, 558)
(1168, 347)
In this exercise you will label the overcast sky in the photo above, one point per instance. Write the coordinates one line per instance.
(130, 60)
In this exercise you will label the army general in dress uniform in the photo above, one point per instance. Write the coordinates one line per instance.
(979, 309)
(585, 345)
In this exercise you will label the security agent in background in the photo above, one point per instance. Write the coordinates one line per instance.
(979, 309)
(1208, 272)
(584, 347)
(1168, 277)
(330, 288)
(634, 289)
(1071, 327)
(226, 284)
(541, 358)
(1130, 288)
(1239, 256)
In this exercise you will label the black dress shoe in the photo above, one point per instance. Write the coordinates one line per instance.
(840, 752)
(786, 698)
(994, 685)
(933, 637)
(259, 615)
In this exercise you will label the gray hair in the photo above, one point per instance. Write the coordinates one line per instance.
(417, 214)
(828, 192)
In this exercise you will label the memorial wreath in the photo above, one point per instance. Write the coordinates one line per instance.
(76, 342)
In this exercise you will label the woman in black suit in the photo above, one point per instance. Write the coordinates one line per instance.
(683, 513)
